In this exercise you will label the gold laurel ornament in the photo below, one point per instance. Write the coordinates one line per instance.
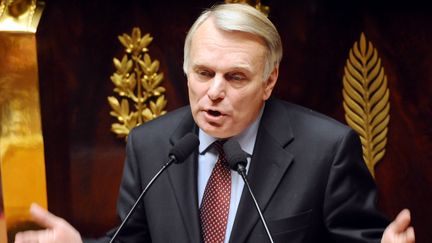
(366, 100)
(137, 81)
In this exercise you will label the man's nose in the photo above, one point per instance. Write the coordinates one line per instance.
(217, 88)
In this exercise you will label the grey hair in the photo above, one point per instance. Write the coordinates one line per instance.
(243, 18)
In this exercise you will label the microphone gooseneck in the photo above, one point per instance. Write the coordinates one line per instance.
(178, 153)
(183, 148)
(237, 160)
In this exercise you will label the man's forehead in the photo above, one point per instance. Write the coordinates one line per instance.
(209, 28)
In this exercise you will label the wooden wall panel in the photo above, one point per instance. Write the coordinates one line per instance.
(77, 40)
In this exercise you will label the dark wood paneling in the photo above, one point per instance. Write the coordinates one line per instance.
(78, 39)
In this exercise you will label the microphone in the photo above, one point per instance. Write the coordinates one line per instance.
(237, 160)
(178, 153)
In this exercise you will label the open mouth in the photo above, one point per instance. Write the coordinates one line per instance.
(214, 113)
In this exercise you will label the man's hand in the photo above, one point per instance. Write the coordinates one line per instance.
(57, 229)
(400, 231)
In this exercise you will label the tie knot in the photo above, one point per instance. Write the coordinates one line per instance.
(218, 145)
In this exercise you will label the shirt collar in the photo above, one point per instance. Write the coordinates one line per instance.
(246, 139)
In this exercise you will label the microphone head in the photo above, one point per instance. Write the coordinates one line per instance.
(184, 147)
(234, 154)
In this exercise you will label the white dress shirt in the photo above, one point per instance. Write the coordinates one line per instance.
(207, 159)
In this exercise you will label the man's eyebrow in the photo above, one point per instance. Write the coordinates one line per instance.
(238, 67)
(198, 66)
(242, 67)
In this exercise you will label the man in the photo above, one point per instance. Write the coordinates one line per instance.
(305, 169)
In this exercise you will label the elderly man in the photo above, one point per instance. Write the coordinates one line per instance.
(305, 168)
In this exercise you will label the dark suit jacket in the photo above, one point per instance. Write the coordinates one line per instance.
(306, 171)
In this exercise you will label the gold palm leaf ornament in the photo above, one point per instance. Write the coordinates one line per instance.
(136, 80)
(366, 100)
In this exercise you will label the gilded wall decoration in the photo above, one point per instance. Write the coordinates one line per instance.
(22, 158)
(366, 100)
(137, 82)
(20, 15)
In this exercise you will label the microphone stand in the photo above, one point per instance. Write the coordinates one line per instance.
(241, 169)
(171, 160)
(182, 149)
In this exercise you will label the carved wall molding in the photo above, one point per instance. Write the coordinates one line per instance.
(20, 15)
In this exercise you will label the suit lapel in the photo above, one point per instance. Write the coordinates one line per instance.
(183, 178)
(269, 163)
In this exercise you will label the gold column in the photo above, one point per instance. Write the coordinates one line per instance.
(22, 165)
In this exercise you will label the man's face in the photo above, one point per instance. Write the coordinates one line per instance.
(225, 80)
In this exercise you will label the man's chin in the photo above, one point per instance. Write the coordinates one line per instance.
(215, 131)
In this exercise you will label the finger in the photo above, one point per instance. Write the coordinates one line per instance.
(410, 235)
(19, 238)
(402, 221)
(30, 236)
(42, 216)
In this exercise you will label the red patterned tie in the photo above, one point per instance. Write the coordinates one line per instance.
(216, 200)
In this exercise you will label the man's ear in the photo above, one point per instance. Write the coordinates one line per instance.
(271, 82)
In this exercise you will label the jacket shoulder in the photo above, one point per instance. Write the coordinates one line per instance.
(305, 121)
(165, 124)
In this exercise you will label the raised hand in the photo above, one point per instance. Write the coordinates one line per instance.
(57, 229)
(400, 231)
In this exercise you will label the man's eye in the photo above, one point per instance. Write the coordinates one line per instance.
(205, 73)
(236, 77)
